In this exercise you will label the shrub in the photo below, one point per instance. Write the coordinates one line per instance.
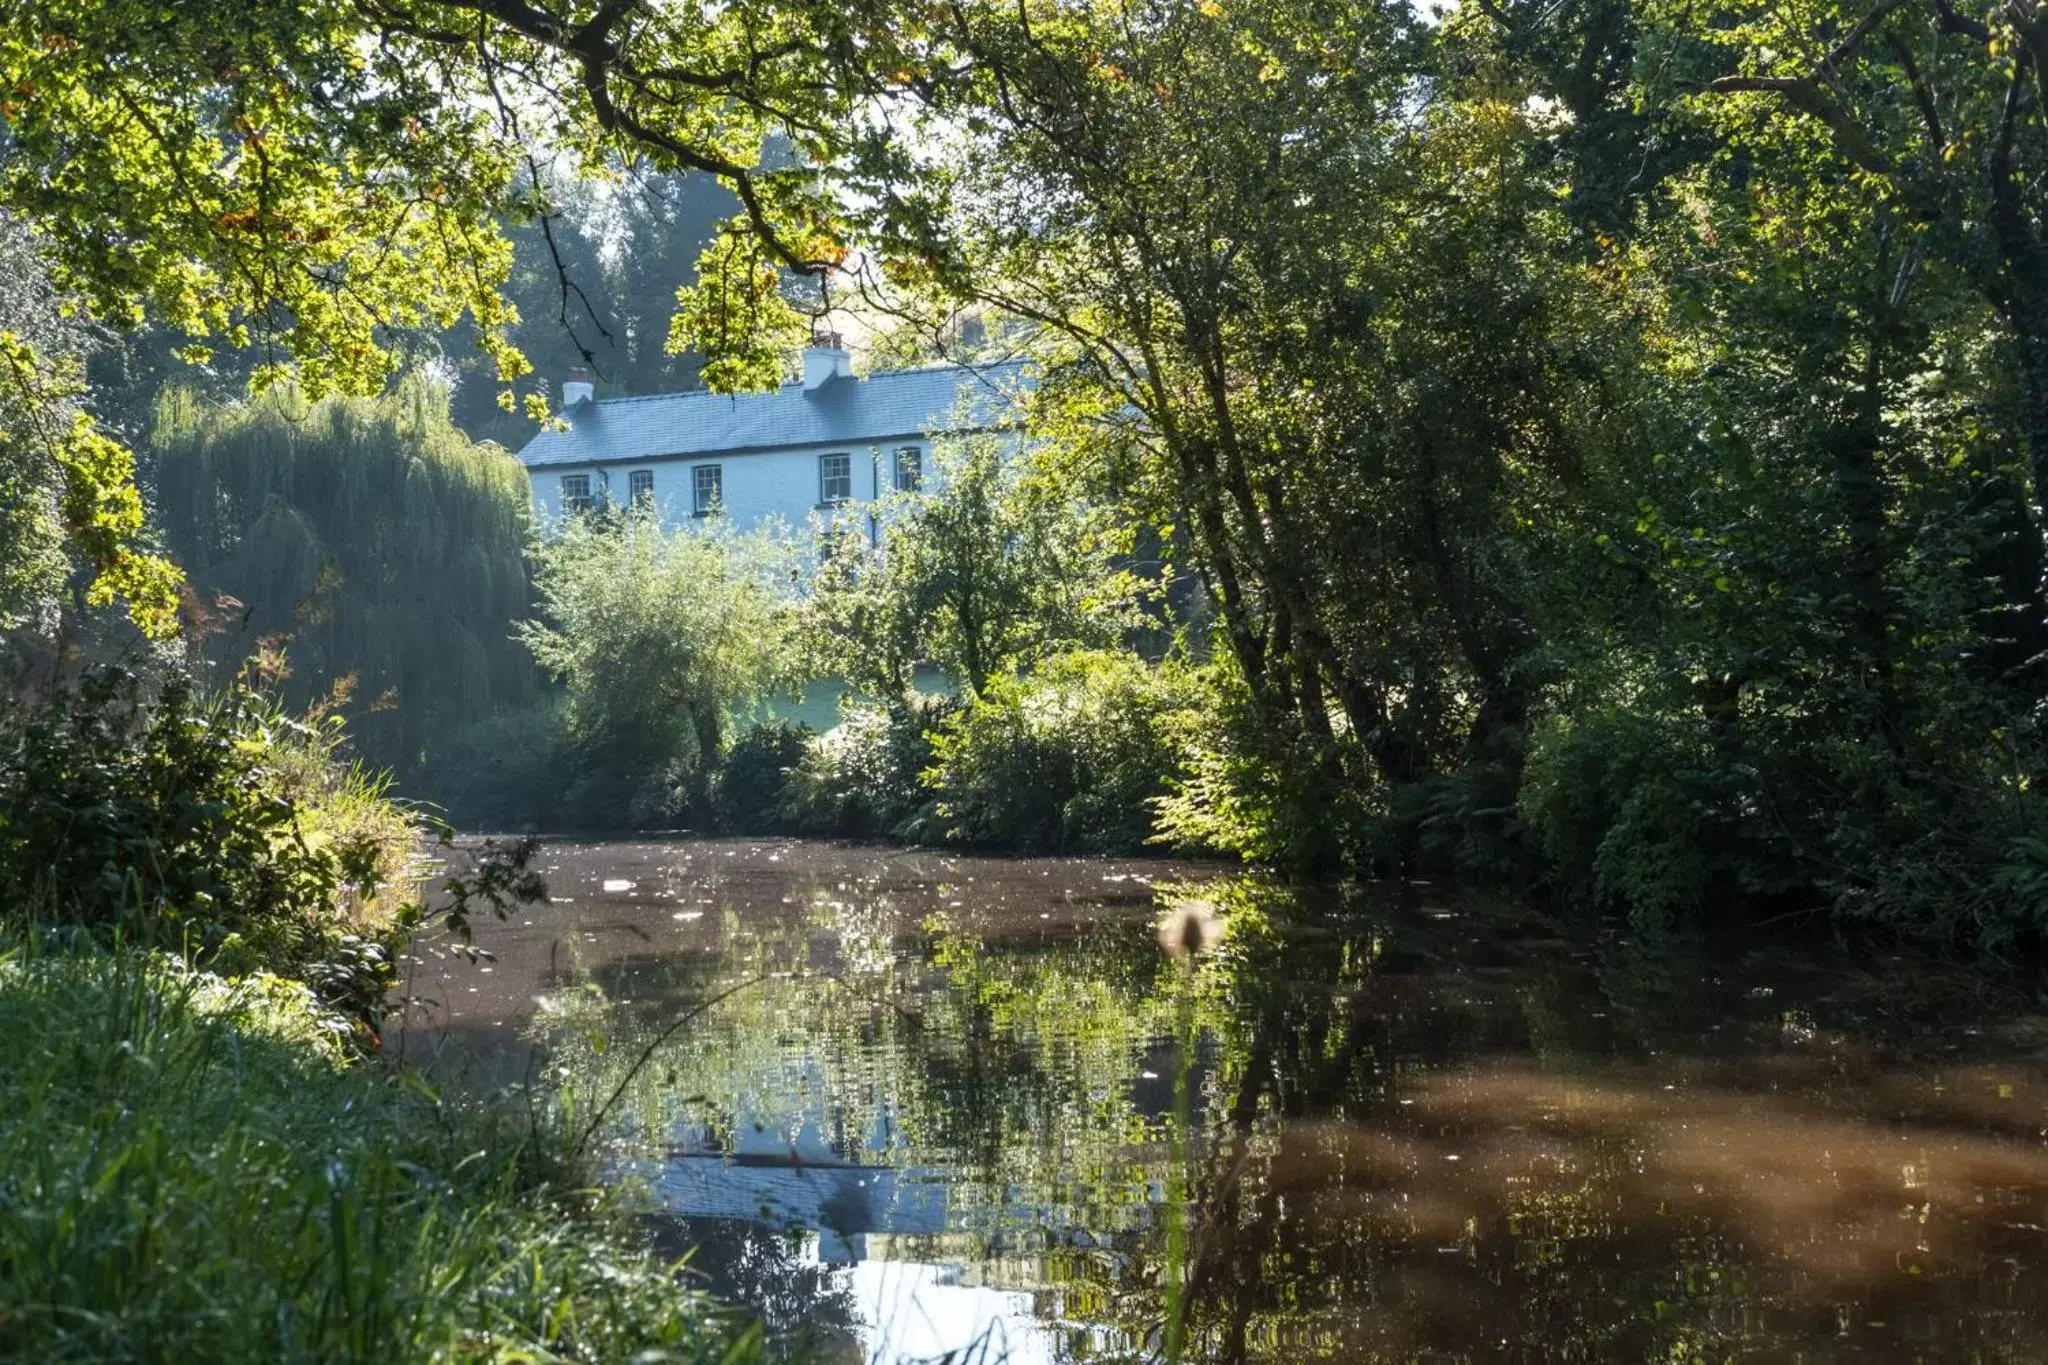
(1615, 799)
(1070, 757)
(1244, 790)
(217, 826)
(861, 779)
(1660, 815)
(530, 770)
(750, 790)
(510, 772)
(1655, 813)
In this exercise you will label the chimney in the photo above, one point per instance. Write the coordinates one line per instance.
(578, 388)
(825, 359)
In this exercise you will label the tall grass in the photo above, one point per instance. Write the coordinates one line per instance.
(189, 1171)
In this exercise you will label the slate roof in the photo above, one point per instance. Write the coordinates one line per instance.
(842, 411)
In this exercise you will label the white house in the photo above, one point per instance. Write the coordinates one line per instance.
(831, 444)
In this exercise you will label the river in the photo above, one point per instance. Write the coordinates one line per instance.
(984, 1107)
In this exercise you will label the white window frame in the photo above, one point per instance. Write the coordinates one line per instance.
(640, 484)
(578, 500)
(701, 505)
(841, 478)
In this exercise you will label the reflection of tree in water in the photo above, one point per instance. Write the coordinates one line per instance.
(1410, 1141)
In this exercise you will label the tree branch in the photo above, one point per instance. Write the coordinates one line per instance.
(1847, 47)
(1802, 93)
(1922, 96)
(1958, 24)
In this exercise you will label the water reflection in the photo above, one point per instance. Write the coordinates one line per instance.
(969, 1105)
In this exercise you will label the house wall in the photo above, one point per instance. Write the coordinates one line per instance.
(757, 486)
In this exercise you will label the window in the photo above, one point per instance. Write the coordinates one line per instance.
(640, 484)
(707, 489)
(909, 469)
(576, 493)
(835, 479)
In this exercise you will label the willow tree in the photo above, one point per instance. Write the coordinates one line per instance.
(379, 547)
(663, 640)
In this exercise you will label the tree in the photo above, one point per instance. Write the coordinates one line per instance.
(981, 569)
(1807, 665)
(664, 640)
(668, 220)
(1316, 326)
(1936, 113)
(385, 549)
(595, 285)
(32, 561)
(70, 488)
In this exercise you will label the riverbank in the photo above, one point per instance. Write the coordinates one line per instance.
(194, 1170)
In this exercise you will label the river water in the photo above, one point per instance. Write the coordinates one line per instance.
(906, 1104)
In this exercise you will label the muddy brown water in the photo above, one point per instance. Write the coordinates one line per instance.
(973, 1106)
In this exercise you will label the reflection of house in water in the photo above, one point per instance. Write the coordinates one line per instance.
(847, 1192)
(925, 1269)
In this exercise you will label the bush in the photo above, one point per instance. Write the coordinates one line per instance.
(527, 771)
(1072, 757)
(749, 792)
(1628, 802)
(862, 778)
(217, 827)
(530, 770)
(189, 1172)
(1660, 815)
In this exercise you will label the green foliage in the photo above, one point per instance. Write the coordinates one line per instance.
(2024, 877)
(244, 206)
(1244, 790)
(864, 777)
(749, 793)
(97, 503)
(665, 640)
(318, 178)
(1619, 801)
(1071, 757)
(32, 557)
(1686, 451)
(736, 314)
(380, 545)
(990, 564)
(172, 820)
(192, 1173)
